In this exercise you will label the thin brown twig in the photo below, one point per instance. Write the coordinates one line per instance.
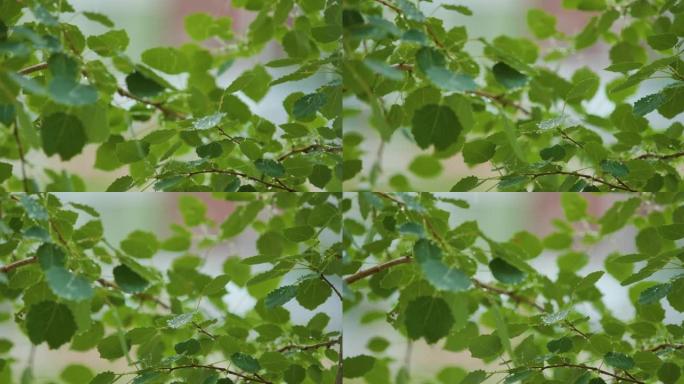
(326, 344)
(501, 100)
(378, 268)
(18, 264)
(666, 345)
(238, 174)
(156, 104)
(33, 68)
(595, 369)
(208, 366)
(512, 294)
(661, 157)
(582, 175)
(310, 148)
(332, 286)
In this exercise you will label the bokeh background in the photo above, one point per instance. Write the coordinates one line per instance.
(122, 213)
(500, 215)
(491, 18)
(154, 23)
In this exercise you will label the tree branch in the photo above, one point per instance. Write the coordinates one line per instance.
(512, 294)
(595, 369)
(378, 268)
(582, 175)
(310, 148)
(326, 344)
(18, 264)
(501, 100)
(661, 157)
(33, 68)
(238, 174)
(120, 90)
(666, 345)
(208, 366)
(332, 286)
(156, 104)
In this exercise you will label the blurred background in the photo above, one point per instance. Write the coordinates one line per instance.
(122, 213)
(154, 23)
(515, 212)
(492, 18)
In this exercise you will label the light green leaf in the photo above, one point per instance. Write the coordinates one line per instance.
(68, 285)
(166, 59)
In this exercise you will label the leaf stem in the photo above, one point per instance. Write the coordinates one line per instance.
(22, 159)
(17, 264)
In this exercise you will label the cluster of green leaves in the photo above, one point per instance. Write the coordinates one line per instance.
(509, 107)
(409, 266)
(59, 94)
(56, 264)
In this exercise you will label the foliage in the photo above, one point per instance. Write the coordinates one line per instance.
(174, 325)
(414, 71)
(60, 93)
(457, 289)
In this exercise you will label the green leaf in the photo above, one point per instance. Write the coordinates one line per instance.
(299, 233)
(542, 24)
(5, 171)
(140, 244)
(672, 231)
(561, 345)
(188, 347)
(462, 9)
(305, 108)
(245, 362)
(618, 360)
(67, 285)
(280, 296)
(425, 166)
(485, 346)
(104, 378)
(62, 134)
(478, 151)
(199, 26)
(553, 153)
(508, 76)
(320, 176)
(429, 257)
(50, 256)
(109, 43)
(312, 293)
(383, 69)
(589, 280)
(99, 18)
(662, 41)
(192, 209)
(166, 59)
(615, 168)
(428, 317)
(450, 81)
(217, 285)
(654, 294)
(122, 184)
(128, 280)
(574, 206)
(274, 361)
(270, 167)
(505, 272)
(435, 125)
(132, 151)
(254, 83)
(465, 184)
(650, 103)
(474, 377)
(669, 373)
(51, 322)
(143, 86)
(357, 366)
(76, 374)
